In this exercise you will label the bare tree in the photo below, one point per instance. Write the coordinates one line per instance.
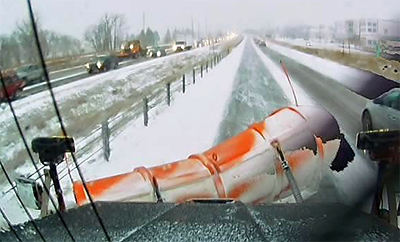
(9, 52)
(107, 34)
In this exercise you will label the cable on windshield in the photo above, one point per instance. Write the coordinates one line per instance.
(64, 132)
(20, 201)
(30, 156)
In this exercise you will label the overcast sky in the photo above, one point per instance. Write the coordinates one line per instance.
(74, 16)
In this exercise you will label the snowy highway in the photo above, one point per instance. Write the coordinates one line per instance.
(247, 85)
(68, 75)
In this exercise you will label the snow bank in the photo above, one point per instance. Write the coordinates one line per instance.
(316, 44)
(338, 72)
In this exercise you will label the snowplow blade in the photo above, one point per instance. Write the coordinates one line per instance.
(244, 167)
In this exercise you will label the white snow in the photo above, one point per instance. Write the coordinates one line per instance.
(336, 71)
(81, 86)
(189, 126)
(323, 44)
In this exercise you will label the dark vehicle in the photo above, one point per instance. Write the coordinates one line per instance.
(31, 74)
(132, 49)
(14, 85)
(102, 63)
(156, 51)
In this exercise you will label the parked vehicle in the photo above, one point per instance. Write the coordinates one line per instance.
(102, 63)
(30, 73)
(14, 85)
(383, 112)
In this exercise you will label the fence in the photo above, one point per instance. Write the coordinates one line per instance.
(107, 130)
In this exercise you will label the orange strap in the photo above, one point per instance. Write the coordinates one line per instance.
(214, 170)
(147, 175)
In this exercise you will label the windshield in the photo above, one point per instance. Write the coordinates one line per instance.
(259, 102)
(103, 58)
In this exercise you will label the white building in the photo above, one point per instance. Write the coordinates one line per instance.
(368, 32)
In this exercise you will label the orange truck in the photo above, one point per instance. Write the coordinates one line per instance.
(246, 167)
(131, 49)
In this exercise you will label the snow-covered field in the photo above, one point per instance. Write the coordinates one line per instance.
(323, 44)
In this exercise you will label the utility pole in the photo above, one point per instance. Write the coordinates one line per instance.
(198, 30)
(192, 30)
(206, 29)
(144, 21)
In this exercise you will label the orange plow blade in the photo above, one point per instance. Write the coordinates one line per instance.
(244, 167)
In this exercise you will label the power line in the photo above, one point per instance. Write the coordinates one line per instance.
(23, 205)
(9, 224)
(30, 155)
(64, 132)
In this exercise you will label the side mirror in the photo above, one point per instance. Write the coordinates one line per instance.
(30, 192)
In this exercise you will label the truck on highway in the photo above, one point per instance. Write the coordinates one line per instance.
(13, 85)
(131, 49)
(179, 45)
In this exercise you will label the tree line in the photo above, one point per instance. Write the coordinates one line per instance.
(20, 47)
(107, 35)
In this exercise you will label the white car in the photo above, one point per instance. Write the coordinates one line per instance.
(383, 112)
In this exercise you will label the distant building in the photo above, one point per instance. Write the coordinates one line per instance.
(367, 32)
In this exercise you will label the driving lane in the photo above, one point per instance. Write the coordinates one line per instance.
(60, 78)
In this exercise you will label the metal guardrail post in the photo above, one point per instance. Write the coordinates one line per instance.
(194, 76)
(145, 111)
(105, 134)
(45, 197)
(201, 71)
(183, 83)
(169, 94)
